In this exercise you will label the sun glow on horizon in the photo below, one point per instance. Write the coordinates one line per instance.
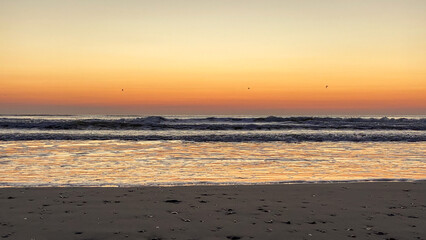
(213, 56)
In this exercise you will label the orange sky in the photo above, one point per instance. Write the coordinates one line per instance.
(200, 57)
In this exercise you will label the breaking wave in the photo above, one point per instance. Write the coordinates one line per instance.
(216, 123)
(207, 129)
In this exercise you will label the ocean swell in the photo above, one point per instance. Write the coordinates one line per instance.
(216, 123)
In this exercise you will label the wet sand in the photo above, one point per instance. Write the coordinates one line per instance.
(386, 210)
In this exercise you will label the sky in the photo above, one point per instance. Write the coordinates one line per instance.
(213, 57)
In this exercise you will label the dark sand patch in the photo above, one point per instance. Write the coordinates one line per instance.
(387, 210)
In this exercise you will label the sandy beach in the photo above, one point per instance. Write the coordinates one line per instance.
(387, 210)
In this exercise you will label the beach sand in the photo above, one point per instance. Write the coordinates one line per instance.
(386, 210)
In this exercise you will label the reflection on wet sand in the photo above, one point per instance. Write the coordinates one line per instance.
(119, 163)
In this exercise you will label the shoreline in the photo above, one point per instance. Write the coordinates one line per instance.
(165, 185)
(372, 210)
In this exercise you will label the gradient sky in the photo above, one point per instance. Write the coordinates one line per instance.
(200, 57)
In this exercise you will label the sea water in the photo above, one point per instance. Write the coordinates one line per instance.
(188, 150)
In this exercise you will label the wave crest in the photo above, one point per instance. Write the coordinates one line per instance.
(216, 123)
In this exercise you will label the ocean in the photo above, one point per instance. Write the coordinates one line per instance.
(50, 150)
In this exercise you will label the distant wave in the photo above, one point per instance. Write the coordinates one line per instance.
(205, 129)
(244, 137)
(216, 123)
